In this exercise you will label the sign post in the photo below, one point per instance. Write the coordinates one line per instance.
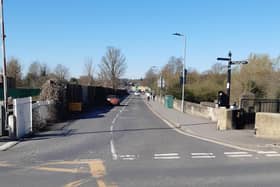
(230, 62)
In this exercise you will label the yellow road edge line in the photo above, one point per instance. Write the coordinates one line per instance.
(97, 168)
(77, 183)
(70, 162)
(62, 170)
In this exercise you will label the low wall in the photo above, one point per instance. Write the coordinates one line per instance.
(223, 116)
(41, 114)
(198, 110)
(267, 125)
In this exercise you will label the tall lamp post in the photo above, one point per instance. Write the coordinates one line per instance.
(3, 36)
(183, 69)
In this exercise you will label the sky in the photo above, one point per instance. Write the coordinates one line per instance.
(68, 32)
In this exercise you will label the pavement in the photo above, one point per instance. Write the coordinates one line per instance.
(6, 143)
(205, 129)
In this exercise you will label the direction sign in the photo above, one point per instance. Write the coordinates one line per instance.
(224, 59)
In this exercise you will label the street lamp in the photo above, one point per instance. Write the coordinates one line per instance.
(183, 69)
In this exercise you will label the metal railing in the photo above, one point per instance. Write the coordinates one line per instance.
(260, 105)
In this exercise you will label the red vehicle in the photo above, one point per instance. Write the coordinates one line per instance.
(113, 100)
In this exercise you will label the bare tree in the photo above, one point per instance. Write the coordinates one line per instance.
(151, 77)
(61, 72)
(112, 66)
(14, 70)
(89, 70)
(37, 74)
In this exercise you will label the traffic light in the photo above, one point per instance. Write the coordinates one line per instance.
(185, 78)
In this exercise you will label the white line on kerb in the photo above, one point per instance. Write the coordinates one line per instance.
(113, 150)
(201, 154)
(239, 156)
(206, 156)
(166, 154)
(267, 152)
(112, 129)
(166, 158)
(235, 153)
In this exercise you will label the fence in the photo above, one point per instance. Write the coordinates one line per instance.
(20, 92)
(23, 117)
(260, 105)
(249, 108)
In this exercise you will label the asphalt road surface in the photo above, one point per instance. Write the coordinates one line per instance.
(128, 146)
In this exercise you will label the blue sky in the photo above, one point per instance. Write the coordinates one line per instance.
(68, 31)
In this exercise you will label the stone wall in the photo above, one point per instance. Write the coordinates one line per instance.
(267, 125)
(41, 114)
(198, 110)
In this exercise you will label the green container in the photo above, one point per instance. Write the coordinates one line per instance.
(168, 101)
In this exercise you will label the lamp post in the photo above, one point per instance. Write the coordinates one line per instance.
(183, 69)
(3, 36)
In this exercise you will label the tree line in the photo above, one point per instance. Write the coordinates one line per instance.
(260, 77)
(111, 67)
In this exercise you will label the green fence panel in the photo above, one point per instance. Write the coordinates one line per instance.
(20, 92)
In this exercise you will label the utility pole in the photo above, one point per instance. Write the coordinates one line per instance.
(3, 36)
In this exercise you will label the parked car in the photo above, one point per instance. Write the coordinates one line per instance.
(113, 100)
(137, 93)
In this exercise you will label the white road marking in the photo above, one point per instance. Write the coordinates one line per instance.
(112, 129)
(113, 150)
(201, 154)
(116, 117)
(267, 152)
(167, 157)
(235, 153)
(166, 154)
(127, 156)
(239, 156)
(205, 156)
(272, 155)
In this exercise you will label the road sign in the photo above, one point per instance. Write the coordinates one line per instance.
(223, 59)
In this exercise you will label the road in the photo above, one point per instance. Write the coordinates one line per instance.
(128, 146)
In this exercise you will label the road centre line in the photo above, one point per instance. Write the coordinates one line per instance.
(267, 152)
(113, 150)
(205, 156)
(235, 153)
(167, 158)
(201, 154)
(115, 118)
(239, 156)
(165, 154)
(127, 156)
